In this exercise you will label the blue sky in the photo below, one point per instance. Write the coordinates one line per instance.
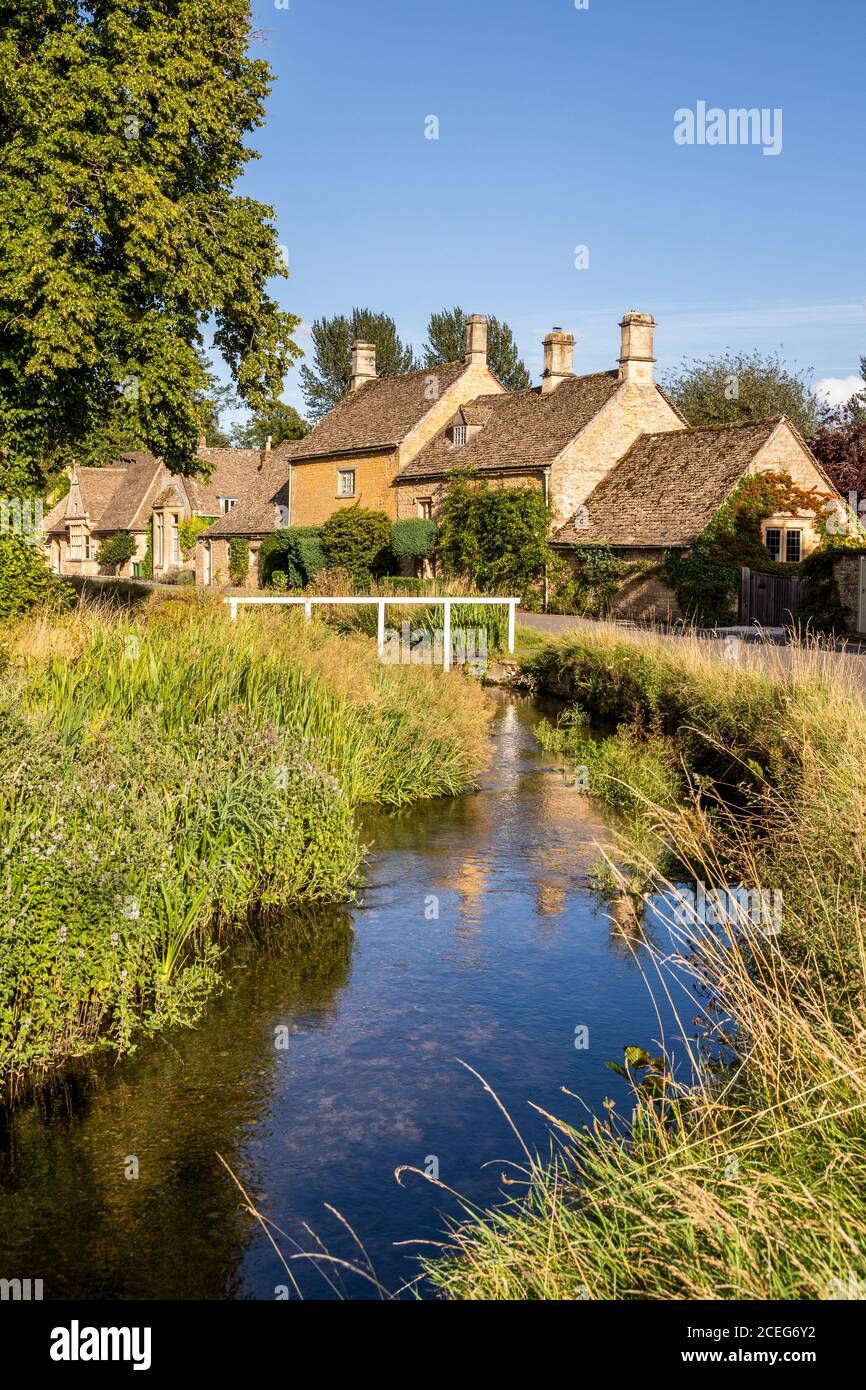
(556, 130)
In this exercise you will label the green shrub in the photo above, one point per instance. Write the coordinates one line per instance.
(116, 550)
(357, 540)
(26, 579)
(279, 581)
(414, 538)
(296, 552)
(239, 559)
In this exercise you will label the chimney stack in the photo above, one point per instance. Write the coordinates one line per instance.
(268, 445)
(476, 341)
(558, 359)
(636, 359)
(363, 364)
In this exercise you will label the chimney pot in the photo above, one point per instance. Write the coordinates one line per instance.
(363, 364)
(476, 341)
(636, 360)
(558, 360)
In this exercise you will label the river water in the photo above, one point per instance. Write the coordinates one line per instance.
(335, 1058)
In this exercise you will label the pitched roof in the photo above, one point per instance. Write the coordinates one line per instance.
(524, 429)
(257, 513)
(380, 413)
(665, 489)
(91, 492)
(232, 474)
(129, 506)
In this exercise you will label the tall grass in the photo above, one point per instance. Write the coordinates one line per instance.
(747, 1178)
(165, 774)
(389, 735)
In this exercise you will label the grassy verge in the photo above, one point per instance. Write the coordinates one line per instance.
(163, 774)
(747, 1182)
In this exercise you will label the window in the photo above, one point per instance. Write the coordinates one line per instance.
(346, 482)
(773, 542)
(425, 507)
(158, 533)
(175, 541)
(76, 543)
(792, 547)
(461, 434)
(226, 504)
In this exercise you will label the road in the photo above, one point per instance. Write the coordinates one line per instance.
(776, 656)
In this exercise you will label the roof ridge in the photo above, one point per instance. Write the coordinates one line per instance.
(719, 429)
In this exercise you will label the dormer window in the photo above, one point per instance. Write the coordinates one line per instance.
(460, 435)
(226, 504)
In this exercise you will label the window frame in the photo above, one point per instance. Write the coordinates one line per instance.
(790, 533)
(779, 532)
(460, 436)
(342, 474)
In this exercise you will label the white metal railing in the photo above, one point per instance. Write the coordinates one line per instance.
(430, 601)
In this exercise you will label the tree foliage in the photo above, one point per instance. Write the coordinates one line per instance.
(446, 342)
(276, 419)
(738, 387)
(357, 540)
(26, 580)
(497, 537)
(840, 446)
(123, 131)
(328, 380)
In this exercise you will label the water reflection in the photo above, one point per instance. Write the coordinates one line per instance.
(477, 937)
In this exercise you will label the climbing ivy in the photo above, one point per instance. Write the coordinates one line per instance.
(239, 559)
(188, 532)
(706, 578)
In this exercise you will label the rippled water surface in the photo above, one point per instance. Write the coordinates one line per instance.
(376, 1006)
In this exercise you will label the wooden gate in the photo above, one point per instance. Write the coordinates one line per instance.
(771, 600)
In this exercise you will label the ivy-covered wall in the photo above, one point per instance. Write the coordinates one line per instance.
(706, 578)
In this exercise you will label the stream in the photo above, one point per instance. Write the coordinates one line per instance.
(335, 1058)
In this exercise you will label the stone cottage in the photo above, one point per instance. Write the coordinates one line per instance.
(354, 455)
(137, 494)
(665, 490)
(562, 437)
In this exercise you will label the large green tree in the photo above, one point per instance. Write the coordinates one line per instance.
(122, 128)
(446, 342)
(325, 383)
(737, 387)
(279, 420)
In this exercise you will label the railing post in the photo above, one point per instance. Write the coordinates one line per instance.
(308, 610)
(511, 607)
(233, 610)
(446, 651)
(380, 630)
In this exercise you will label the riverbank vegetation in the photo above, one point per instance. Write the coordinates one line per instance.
(740, 1171)
(164, 773)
